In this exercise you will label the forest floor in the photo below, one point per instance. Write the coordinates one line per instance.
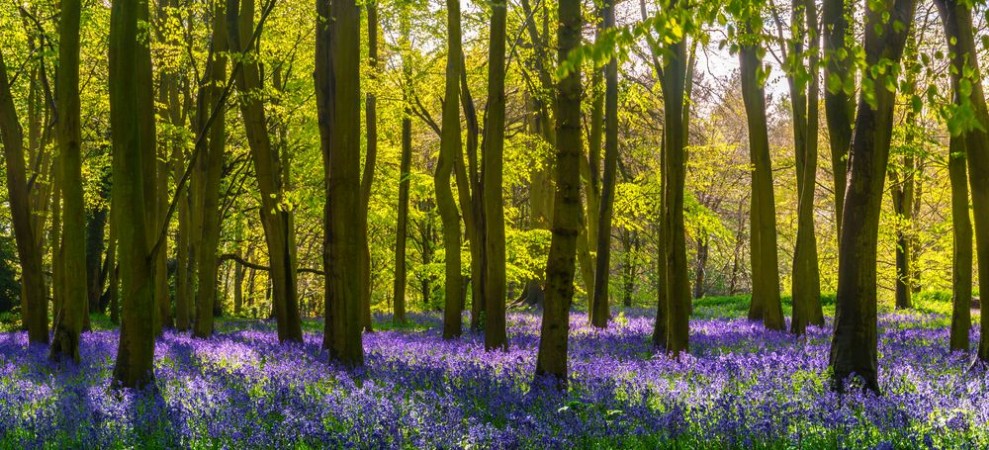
(741, 387)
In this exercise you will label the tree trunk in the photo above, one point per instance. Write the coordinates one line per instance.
(405, 169)
(677, 281)
(495, 333)
(602, 272)
(135, 354)
(766, 303)
(337, 97)
(69, 320)
(805, 286)
(276, 218)
(370, 157)
(450, 145)
(902, 193)
(961, 256)
(554, 333)
(210, 166)
(839, 107)
(957, 20)
(29, 249)
(854, 346)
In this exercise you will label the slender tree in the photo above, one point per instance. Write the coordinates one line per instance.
(599, 298)
(839, 104)
(560, 267)
(766, 303)
(405, 167)
(276, 217)
(495, 334)
(338, 95)
(210, 166)
(370, 158)
(854, 345)
(801, 55)
(967, 79)
(135, 354)
(29, 248)
(69, 321)
(450, 146)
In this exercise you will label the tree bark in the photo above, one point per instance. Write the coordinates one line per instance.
(450, 145)
(276, 217)
(338, 86)
(839, 107)
(957, 19)
(677, 281)
(29, 247)
(805, 286)
(135, 354)
(495, 333)
(854, 345)
(961, 255)
(551, 360)
(210, 166)
(405, 168)
(370, 158)
(69, 320)
(766, 303)
(602, 272)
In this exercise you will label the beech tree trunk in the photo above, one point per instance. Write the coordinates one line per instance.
(551, 360)
(338, 86)
(135, 354)
(766, 303)
(839, 107)
(677, 281)
(495, 333)
(957, 18)
(276, 217)
(370, 157)
(210, 166)
(29, 248)
(69, 320)
(602, 272)
(450, 146)
(804, 86)
(405, 168)
(854, 345)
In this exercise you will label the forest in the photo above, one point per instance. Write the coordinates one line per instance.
(499, 224)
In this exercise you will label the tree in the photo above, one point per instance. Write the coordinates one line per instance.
(450, 147)
(969, 99)
(29, 248)
(551, 360)
(69, 321)
(210, 167)
(854, 345)
(766, 303)
(135, 354)
(599, 298)
(370, 158)
(495, 334)
(276, 213)
(839, 107)
(801, 57)
(405, 167)
(338, 94)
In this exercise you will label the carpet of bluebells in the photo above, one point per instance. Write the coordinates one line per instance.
(742, 387)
